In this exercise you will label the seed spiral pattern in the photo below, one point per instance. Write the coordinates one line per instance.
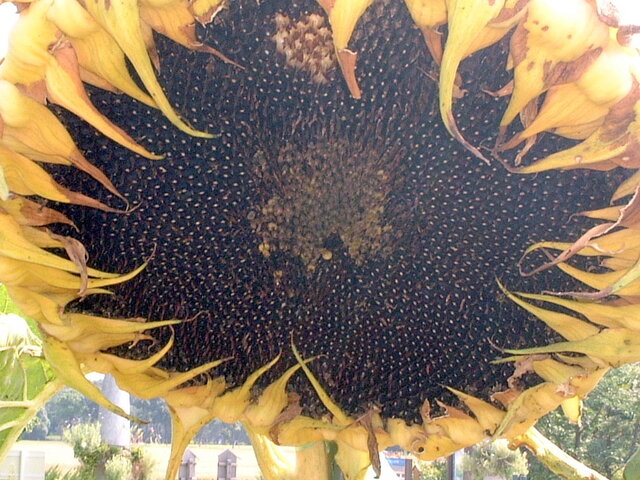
(326, 221)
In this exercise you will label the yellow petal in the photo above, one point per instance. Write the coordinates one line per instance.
(101, 59)
(627, 187)
(621, 282)
(270, 402)
(151, 384)
(304, 430)
(189, 409)
(553, 35)
(76, 326)
(41, 277)
(341, 418)
(36, 306)
(29, 43)
(65, 88)
(466, 19)
(428, 15)
(564, 105)
(14, 244)
(273, 463)
(572, 408)
(31, 129)
(569, 327)
(488, 416)
(609, 213)
(343, 17)
(613, 144)
(527, 408)
(121, 18)
(27, 212)
(617, 263)
(205, 10)
(30, 61)
(67, 369)
(625, 316)
(551, 370)
(461, 428)
(616, 346)
(578, 108)
(312, 462)
(231, 405)
(108, 363)
(25, 177)
(411, 438)
(353, 463)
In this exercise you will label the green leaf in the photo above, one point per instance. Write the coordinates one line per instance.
(632, 469)
(26, 380)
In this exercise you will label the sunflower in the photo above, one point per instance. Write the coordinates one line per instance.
(324, 209)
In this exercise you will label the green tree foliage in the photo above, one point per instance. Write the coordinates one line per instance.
(218, 432)
(56, 473)
(436, 470)
(87, 445)
(610, 431)
(69, 408)
(118, 467)
(38, 428)
(154, 411)
(95, 455)
(159, 428)
(632, 468)
(494, 459)
(26, 380)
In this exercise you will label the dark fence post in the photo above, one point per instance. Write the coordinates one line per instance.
(408, 469)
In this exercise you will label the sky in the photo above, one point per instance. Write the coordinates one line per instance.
(7, 19)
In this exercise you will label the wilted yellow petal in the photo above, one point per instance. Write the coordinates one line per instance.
(101, 59)
(29, 42)
(466, 19)
(341, 418)
(616, 346)
(569, 327)
(151, 384)
(231, 405)
(270, 403)
(545, 46)
(626, 316)
(205, 10)
(572, 408)
(42, 278)
(189, 409)
(343, 16)
(67, 369)
(527, 408)
(621, 282)
(65, 88)
(274, 465)
(25, 177)
(31, 129)
(488, 416)
(551, 370)
(428, 15)
(121, 19)
(627, 187)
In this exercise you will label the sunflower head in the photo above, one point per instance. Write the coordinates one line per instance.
(325, 247)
